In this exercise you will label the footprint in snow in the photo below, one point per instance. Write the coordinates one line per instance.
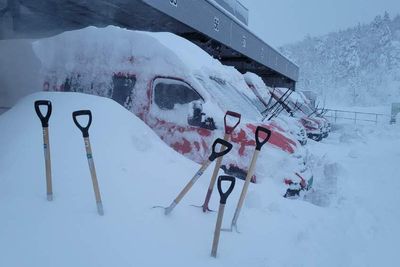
(354, 154)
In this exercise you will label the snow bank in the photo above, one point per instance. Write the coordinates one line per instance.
(356, 227)
(136, 170)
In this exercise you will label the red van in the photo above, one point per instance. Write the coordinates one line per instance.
(185, 108)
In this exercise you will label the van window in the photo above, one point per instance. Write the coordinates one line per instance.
(169, 92)
(229, 97)
(176, 101)
(122, 89)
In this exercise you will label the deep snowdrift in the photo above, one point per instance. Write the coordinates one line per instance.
(355, 223)
(136, 170)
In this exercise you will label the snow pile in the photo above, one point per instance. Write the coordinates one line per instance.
(91, 56)
(136, 170)
(210, 72)
(258, 83)
(357, 225)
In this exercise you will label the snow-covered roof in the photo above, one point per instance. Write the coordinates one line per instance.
(98, 51)
(107, 49)
(259, 85)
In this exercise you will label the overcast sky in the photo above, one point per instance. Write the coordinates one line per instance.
(285, 21)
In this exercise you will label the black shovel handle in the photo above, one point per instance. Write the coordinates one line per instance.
(215, 154)
(84, 130)
(259, 143)
(43, 118)
(224, 195)
(229, 129)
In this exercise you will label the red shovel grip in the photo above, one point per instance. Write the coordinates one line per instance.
(259, 143)
(228, 128)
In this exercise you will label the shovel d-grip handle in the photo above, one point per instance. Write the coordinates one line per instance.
(229, 128)
(224, 195)
(84, 130)
(43, 118)
(215, 154)
(259, 143)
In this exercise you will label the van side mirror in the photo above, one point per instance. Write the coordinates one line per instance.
(208, 124)
(196, 115)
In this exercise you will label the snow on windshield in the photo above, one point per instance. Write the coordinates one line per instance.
(259, 85)
(226, 85)
(229, 98)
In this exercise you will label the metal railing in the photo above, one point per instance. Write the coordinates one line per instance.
(338, 115)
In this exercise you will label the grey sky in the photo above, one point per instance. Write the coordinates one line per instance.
(285, 21)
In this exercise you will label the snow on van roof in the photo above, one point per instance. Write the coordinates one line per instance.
(112, 48)
(99, 52)
(208, 69)
(258, 83)
(195, 58)
(105, 50)
(254, 79)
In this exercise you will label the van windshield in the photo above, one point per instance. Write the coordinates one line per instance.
(230, 98)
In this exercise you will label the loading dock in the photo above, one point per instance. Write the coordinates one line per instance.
(214, 25)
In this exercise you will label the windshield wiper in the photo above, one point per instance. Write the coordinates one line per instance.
(281, 102)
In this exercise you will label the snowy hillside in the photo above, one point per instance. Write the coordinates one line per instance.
(350, 219)
(357, 66)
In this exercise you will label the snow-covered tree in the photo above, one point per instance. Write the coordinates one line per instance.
(359, 65)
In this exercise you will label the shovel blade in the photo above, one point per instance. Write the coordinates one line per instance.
(204, 208)
(231, 229)
(100, 209)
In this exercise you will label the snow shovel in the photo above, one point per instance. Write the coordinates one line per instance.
(211, 158)
(221, 209)
(259, 145)
(85, 134)
(46, 144)
(228, 131)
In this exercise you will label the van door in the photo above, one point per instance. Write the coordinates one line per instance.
(175, 114)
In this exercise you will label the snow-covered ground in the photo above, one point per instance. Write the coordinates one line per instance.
(350, 219)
